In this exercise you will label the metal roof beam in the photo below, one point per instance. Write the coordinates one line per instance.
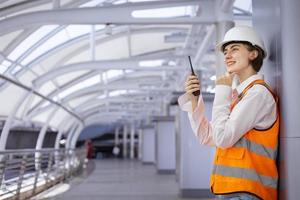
(104, 15)
(131, 63)
(40, 95)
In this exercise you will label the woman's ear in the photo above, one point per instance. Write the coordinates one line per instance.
(253, 54)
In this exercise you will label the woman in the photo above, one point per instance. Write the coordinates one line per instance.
(244, 129)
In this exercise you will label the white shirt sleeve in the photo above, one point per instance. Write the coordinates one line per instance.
(200, 124)
(257, 109)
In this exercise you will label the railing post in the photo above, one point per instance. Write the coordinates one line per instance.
(50, 161)
(69, 163)
(21, 175)
(3, 159)
(37, 161)
(66, 164)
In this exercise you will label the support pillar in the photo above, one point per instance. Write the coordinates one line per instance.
(116, 141)
(195, 160)
(277, 22)
(140, 133)
(9, 120)
(125, 141)
(224, 13)
(148, 145)
(165, 145)
(132, 141)
(221, 28)
(43, 131)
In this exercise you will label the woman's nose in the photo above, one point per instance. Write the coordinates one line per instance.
(227, 56)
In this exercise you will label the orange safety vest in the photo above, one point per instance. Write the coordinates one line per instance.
(250, 164)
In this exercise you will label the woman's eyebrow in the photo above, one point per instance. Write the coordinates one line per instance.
(235, 45)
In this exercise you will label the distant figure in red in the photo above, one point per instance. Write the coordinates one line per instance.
(89, 148)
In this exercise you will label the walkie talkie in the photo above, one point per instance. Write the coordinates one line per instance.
(196, 93)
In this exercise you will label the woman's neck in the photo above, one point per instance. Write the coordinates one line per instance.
(246, 73)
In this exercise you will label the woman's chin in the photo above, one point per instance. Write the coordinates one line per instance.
(230, 71)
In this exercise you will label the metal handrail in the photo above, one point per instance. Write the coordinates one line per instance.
(25, 173)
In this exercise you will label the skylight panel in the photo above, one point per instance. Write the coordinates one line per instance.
(140, 0)
(6, 63)
(151, 63)
(243, 4)
(168, 12)
(16, 69)
(133, 1)
(2, 69)
(59, 38)
(4, 66)
(92, 3)
(45, 104)
(30, 40)
(128, 71)
(77, 30)
(89, 82)
(117, 93)
(112, 73)
(102, 96)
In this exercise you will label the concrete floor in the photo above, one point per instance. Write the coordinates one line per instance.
(122, 180)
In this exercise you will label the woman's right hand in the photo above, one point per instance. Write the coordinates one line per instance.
(192, 84)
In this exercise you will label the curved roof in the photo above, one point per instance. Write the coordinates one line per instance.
(105, 61)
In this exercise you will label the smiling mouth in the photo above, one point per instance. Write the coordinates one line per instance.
(230, 63)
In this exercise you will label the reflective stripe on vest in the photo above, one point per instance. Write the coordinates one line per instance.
(257, 148)
(245, 174)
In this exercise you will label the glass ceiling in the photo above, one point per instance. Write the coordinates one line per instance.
(22, 52)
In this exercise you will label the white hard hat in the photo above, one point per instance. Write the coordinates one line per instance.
(243, 34)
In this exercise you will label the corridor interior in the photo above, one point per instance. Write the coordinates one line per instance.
(115, 179)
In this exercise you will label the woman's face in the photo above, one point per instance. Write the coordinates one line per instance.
(237, 57)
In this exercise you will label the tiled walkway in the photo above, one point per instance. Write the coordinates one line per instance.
(123, 180)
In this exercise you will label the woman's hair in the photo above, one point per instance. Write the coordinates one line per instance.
(258, 61)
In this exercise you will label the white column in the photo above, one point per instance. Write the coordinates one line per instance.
(124, 141)
(165, 145)
(56, 4)
(9, 120)
(148, 145)
(132, 141)
(224, 15)
(195, 160)
(92, 42)
(140, 135)
(116, 142)
(43, 131)
(76, 135)
(221, 28)
(65, 123)
(62, 128)
(70, 135)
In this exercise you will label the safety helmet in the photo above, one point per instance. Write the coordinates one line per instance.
(243, 34)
